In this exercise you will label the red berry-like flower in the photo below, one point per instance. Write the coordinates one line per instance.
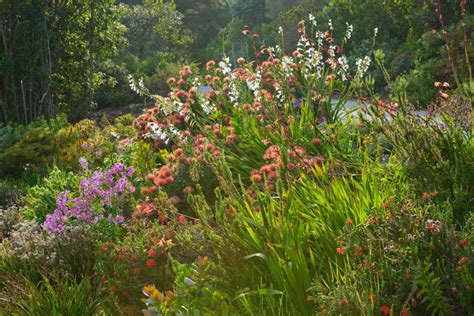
(150, 263)
(151, 253)
(182, 219)
(464, 242)
(385, 310)
(340, 251)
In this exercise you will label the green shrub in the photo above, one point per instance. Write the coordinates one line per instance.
(41, 198)
(437, 150)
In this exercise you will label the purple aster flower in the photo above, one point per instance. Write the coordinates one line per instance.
(98, 194)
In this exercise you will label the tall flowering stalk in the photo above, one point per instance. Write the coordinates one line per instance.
(98, 199)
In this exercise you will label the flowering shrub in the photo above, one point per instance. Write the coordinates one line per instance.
(141, 256)
(100, 198)
(399, 267)
(71, 252)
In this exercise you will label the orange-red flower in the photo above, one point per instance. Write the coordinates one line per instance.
(424, 197)
(385, 310)
(340, 251)
(358, 251)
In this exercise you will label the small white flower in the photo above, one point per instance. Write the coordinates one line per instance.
(348, 34)
(226, 66)
(331, 28)
(362, 66)
(312, 19)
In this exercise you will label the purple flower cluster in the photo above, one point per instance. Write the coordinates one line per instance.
(83, 163)
(97, 196)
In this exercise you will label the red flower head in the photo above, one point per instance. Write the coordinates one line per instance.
(385, 310)
(150, 263)
(151, 253)
(340, 251)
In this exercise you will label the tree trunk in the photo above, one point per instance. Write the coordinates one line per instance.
(4, 95)
(91, 51)
(25, 111)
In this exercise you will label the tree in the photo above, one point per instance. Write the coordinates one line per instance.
(51, 55)
(153, 27)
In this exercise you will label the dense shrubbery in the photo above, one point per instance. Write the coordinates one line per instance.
(265, 195)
